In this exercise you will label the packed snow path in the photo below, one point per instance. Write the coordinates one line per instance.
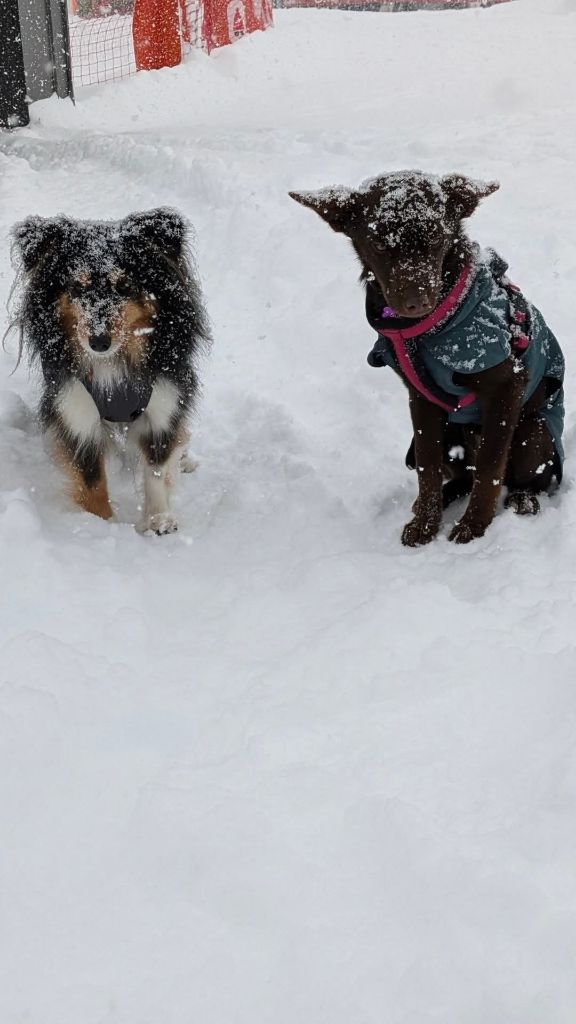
(277, 769)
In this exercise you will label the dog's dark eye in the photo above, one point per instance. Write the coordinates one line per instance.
(124, 286)
(379, 246)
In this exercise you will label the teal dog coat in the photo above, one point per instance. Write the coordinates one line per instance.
(482, 322)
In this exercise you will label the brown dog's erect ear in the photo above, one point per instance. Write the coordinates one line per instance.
(336, 206)
(35, 236)
(465, 193)
(164, 227)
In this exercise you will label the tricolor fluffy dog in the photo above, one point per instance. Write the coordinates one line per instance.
(113, 313)
(483, 370)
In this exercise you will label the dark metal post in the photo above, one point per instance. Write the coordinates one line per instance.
(13, 106)
(61, 48)
(46, 47)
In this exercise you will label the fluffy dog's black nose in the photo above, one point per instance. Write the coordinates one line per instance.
(100, 343)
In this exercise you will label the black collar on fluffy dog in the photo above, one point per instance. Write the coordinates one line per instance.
(123, 402)
(112, 304)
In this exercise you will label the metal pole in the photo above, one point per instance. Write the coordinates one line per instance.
(46, 47)
(58, 12)
(13, 106)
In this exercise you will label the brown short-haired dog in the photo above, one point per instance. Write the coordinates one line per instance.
(484, 372)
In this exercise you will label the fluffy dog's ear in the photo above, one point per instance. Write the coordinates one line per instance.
(165, 228)
(337, 206)
(34, 236)
(464, 193)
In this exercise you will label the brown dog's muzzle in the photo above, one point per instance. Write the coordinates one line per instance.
(412, 290)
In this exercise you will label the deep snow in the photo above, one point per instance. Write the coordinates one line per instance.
(277, 768)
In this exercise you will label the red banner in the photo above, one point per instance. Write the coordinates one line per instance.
(156, 34)
(389, 6)
(159, 26)
(228, 20)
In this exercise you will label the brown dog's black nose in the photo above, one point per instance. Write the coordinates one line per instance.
(418, 306)
(100, 343)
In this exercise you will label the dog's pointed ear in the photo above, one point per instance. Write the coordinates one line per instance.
(464, 194)
(164, 227)
(35, 236)
(337, 206)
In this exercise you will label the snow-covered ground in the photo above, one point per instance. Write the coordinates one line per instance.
(276, 769)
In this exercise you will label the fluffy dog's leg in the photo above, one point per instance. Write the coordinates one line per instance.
(86, 473)
(75, 425)
(162, 437)
(159, 478)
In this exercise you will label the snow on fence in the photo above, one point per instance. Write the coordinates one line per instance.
(390, 5)
(112, 39)
(101, 48)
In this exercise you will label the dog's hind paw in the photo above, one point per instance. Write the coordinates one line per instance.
(187, 463)
(419, 531)
(523, 503)
(160, 523)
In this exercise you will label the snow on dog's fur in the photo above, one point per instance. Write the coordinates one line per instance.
(113, 313)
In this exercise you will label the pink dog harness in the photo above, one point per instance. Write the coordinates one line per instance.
(398, 338)
(402, 339)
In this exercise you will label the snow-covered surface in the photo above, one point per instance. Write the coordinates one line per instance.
(276, 768)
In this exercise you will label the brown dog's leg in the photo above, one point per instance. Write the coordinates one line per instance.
(459, 454)
(532, 459)
(429, 422)
(500, 391)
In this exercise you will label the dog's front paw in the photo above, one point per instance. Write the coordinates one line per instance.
(159, 523)
(419, 531)
(523, 503)
(466, 530)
